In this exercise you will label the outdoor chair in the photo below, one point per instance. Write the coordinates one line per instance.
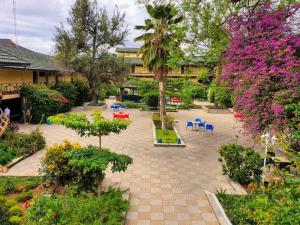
(123, 107)
(116, 107)
(189, 124)
(197, 122)
(202, 125)
(209, 127)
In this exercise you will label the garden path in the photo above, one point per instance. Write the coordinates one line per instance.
(166, 184)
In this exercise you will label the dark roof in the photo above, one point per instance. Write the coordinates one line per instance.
(37, 61)
(127, 49)
(7, 59)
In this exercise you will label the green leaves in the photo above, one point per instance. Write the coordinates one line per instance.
(241, 164)
(84, 167)
(98, 127)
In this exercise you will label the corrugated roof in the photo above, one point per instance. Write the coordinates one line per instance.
(38, 61)
(127, 49)
(7, 59)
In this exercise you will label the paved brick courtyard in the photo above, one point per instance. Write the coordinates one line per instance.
(166, 184)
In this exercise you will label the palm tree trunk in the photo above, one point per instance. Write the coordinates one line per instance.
(162, 106)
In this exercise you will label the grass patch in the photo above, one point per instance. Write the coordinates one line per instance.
(167, 136)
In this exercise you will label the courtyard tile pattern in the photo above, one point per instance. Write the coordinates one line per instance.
(166, 184)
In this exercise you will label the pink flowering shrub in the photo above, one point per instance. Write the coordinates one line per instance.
(261, 66)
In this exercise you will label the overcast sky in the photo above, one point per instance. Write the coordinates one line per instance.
(36, 20)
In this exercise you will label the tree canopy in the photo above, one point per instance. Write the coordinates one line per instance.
(86, 45)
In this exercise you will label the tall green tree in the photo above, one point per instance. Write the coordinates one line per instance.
(160, 39)
(86, 46)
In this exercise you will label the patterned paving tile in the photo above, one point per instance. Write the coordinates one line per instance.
(166, 184)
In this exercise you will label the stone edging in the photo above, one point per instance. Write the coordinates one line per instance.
(217, 208)
(4, 169)
(166, 144)
(220, 111)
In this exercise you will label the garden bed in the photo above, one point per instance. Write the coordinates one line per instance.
(166, 138)
(14, 147)
(27, 200)
(216, 109)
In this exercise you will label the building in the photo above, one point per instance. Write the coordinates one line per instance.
(19, 65)
(190, 69)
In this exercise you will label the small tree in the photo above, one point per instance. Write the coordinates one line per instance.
(161, 41)
(98, 127)
(86, 46)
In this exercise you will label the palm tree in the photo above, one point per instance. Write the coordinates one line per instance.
(160, 39)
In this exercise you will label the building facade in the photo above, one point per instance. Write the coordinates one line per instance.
(19, 65)
(131, 56)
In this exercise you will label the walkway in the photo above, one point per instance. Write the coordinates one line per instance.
(166, 184)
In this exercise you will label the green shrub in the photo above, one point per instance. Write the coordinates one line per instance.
(83, 92)
(15, 144)
(211, 93)
(69, 91)
(42, 102)
(151, 99)
(15, 211)
(108, 208)
(198, 91)
(241, 164)
(25, 195)
(10, 212)
(84, 167)
(14, 220)
(223, 97)
(234, 207)
(17, 184)
(7, 154)
(131, 105)
(277, 204)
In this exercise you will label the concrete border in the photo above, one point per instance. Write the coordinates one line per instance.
(217, 208)
(156, 144)
(219, 111)
(4, 169)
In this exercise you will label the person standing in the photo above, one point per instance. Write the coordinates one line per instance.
(7, 112)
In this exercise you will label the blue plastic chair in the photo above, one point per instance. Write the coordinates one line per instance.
(202, 125)
(197, 122)
(116, 107)
(209, 127)
(189, 124)
(123, 107)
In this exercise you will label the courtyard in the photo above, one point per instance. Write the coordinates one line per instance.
(166, 184)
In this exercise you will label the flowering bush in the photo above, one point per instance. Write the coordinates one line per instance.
(69, 92)
(42, 102)
(261, 66)
(69, 163)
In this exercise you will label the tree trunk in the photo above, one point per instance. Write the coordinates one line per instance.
(162, 107)
(100, 142)
(94, 98)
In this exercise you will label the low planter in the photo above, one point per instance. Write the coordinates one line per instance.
(214, 109)
(158, 144)
(217, 208)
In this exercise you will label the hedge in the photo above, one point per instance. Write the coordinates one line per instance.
(42, 102)
(69, 91)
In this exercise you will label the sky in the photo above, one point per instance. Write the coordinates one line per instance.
(36, 20)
